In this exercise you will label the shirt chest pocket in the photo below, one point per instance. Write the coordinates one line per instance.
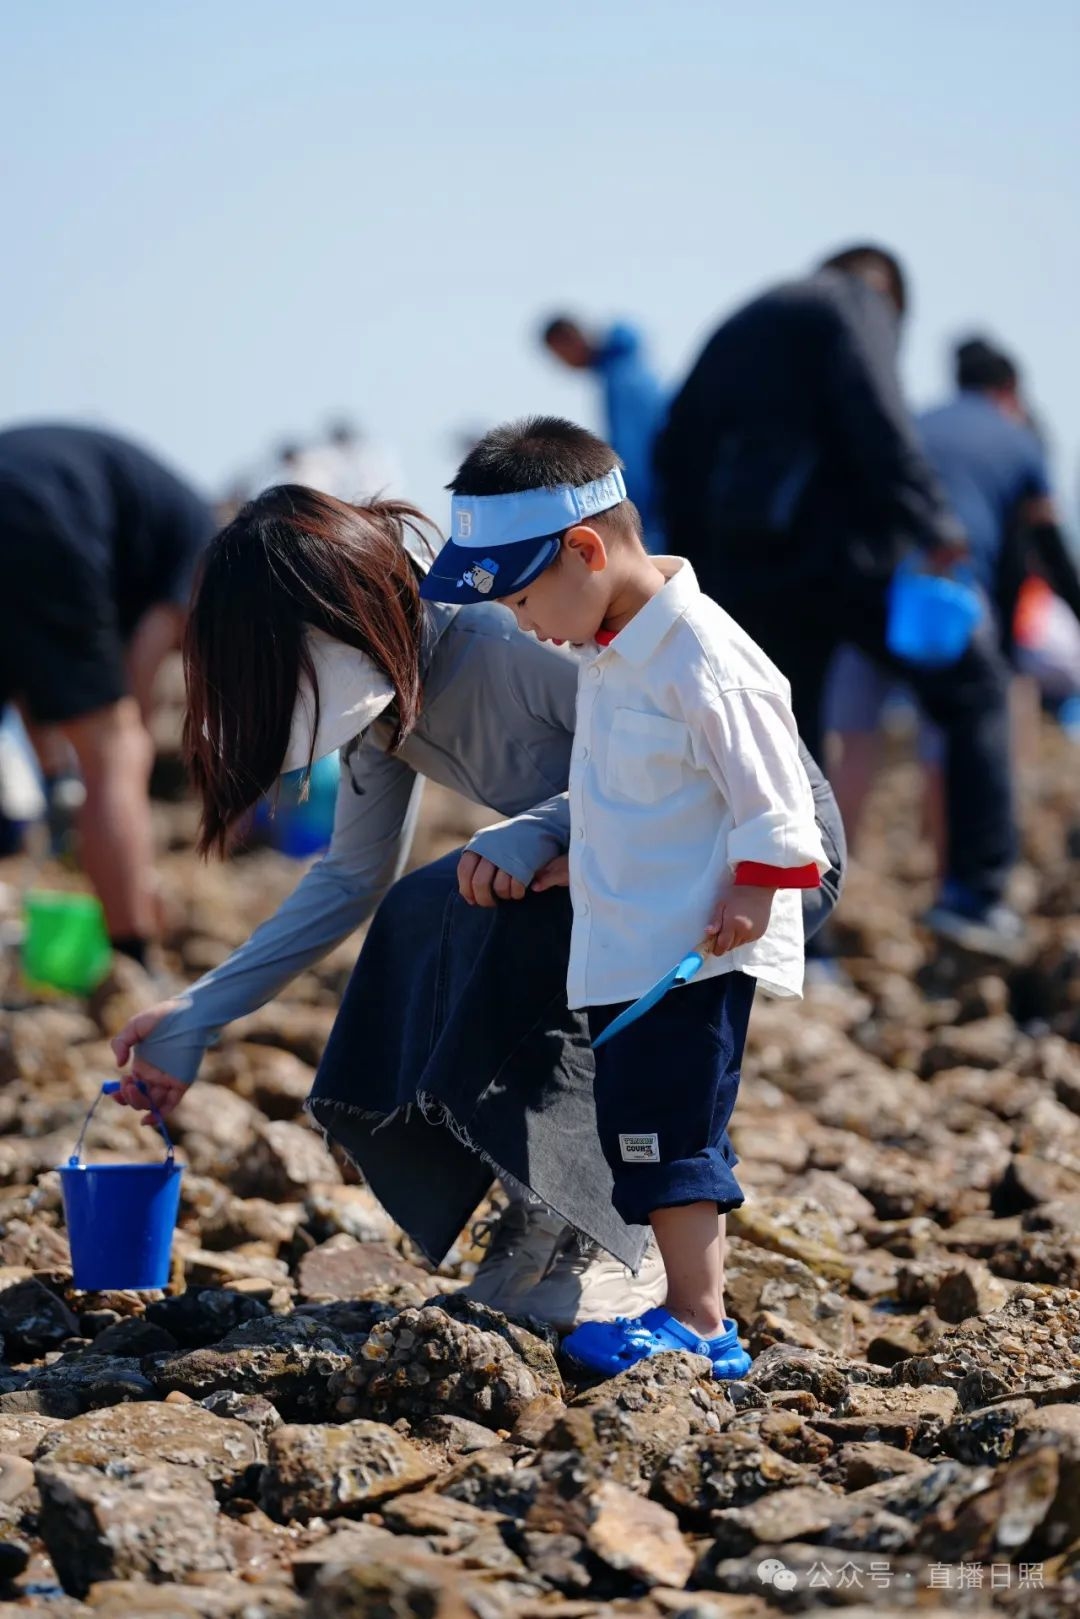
(648, 756)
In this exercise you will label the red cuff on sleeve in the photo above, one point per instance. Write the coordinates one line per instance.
(752, 874)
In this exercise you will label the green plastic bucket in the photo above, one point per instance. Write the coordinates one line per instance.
(65, 944)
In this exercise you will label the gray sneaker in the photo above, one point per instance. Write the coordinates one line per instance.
(521, 1245)
(590, 1285)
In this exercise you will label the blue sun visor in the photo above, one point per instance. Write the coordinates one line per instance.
(501, 543)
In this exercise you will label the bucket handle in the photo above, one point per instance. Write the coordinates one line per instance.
(109, 1088)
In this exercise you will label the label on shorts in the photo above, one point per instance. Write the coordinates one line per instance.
(640, 1149)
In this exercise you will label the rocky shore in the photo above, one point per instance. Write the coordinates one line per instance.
(310, 1423)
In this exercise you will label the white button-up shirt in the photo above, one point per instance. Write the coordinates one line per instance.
(685, 764)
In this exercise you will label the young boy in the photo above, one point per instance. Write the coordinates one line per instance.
(691, 818)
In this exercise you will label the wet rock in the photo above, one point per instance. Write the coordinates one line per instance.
(133, 1338)
(343, 1268)
(159, 1523)
(127, 1438)
(290, 1360)
(986, 1434)
(727, 1470)
(282, 1163)
(84, 1382)
(333, 1472)
(204, 1315)
(456, 1358)
(33, 1320)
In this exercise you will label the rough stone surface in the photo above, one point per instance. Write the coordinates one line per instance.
(341, 1471)
(343, 1268)
(453, 1357)
(905, 1272)
(291, 1360)
(159, 1523)
(33, 1320)
(129, 1437)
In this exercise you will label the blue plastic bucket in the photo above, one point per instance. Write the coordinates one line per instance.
(931, 617)
(299, 825)
(120, 1217)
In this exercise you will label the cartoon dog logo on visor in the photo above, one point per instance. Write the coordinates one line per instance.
(481, 576)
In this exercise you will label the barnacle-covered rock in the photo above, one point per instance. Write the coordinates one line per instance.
(427, 1360)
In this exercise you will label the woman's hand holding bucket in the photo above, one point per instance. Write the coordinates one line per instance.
(162, 1091)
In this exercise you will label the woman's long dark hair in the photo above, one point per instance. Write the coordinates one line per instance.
(292, 557)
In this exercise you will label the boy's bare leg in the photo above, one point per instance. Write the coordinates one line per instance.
(691, 1242)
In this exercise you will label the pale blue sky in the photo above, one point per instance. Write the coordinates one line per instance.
(225, 219)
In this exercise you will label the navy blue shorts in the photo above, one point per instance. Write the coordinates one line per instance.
(665, 1090)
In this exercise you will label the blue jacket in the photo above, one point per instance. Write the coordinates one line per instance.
(635, 405)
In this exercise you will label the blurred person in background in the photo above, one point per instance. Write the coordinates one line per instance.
(98, 543)
(792, 479)
(634, 403)
(362, 469)
(992, 467)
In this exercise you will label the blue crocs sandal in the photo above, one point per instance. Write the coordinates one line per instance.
(612, 1346)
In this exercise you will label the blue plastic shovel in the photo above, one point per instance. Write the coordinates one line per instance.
(681, 974)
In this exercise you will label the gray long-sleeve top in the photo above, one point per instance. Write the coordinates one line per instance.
(497, 726)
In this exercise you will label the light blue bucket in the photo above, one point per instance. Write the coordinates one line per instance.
(932, 617)
(120, 1217)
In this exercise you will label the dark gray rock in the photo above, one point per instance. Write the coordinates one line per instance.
(203, 1315)
(133, 1339)
(288, 1359)
(33, 1320)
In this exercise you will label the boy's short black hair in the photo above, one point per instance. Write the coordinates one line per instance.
(540, 452)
